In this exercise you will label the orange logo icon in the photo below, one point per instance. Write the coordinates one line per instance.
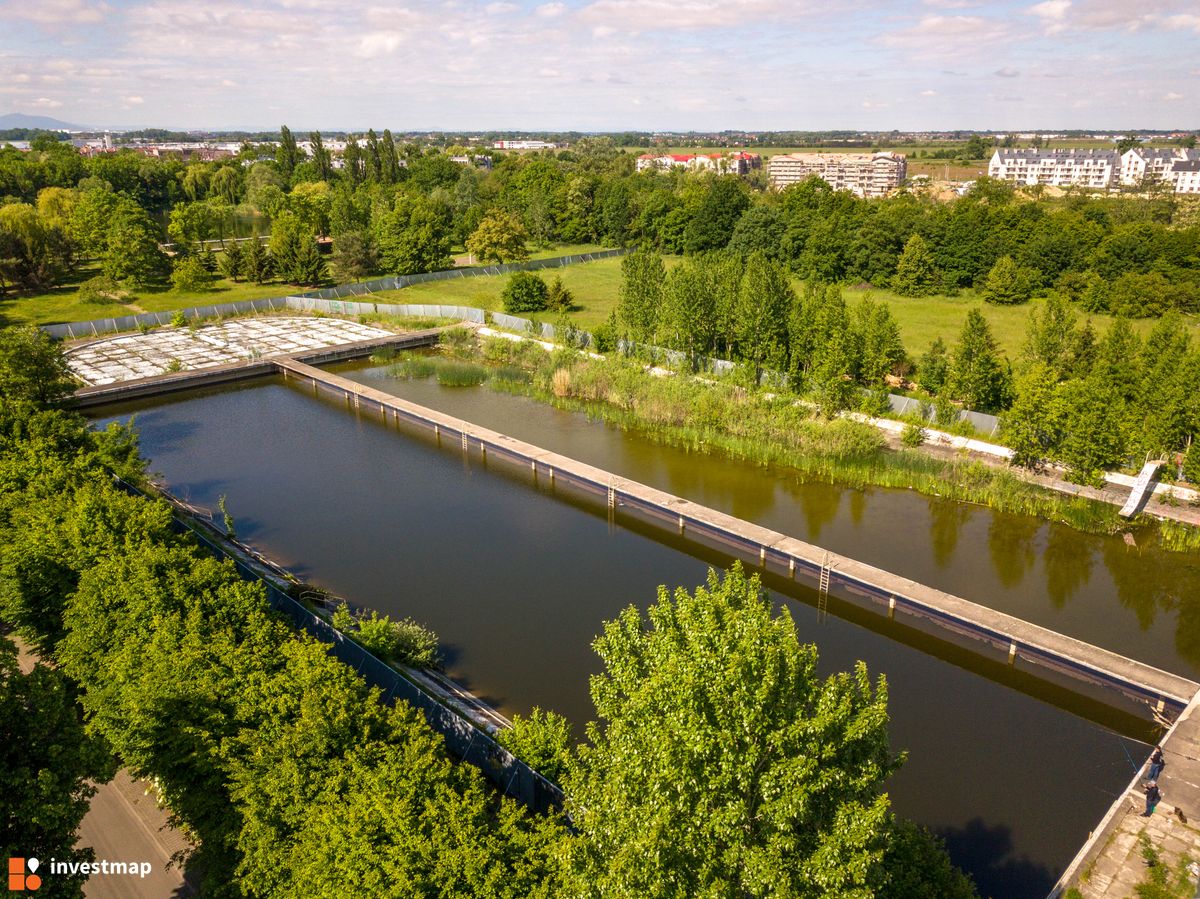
(18, 880)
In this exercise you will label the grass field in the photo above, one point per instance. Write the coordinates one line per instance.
(921, 319)
(61, 304)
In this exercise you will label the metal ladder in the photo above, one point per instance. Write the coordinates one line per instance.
(823, 589)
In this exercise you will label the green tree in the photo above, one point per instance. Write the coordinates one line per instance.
(643, 279)
(934, 367)
(287, 154)
(354, 256)
(322, 159)
(1008, 283)
(256, 262)
(1032, 428)
(976, 377)
(1051, 338)
(500, 237)
(230, 260)
(413, 238)
(190, 276)
(34, 255)
(765, 300)
(558, 297)
(309, 269)
(131, 252)
(1191, 462)
(48, 769)
(760, 228)
(917, 274)
(32, 367)
(712, 225)
(543, 741)
(688, 314)
(192, 223)
(877, 336)
(1093, 437)
(768, 781)
(524, 292)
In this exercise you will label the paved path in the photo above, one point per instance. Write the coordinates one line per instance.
(123, 824)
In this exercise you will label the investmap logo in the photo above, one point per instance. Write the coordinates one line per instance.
(22, 875)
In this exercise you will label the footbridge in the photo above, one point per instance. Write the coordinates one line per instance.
(1164, 693)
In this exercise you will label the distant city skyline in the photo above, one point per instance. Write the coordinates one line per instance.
(604, 65)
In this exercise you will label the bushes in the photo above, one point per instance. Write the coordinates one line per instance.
(525, 292)
(405, 641)
(190, 275)
(102, 290)
(543, 740)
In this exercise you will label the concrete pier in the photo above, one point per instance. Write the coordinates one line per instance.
(1015, 639)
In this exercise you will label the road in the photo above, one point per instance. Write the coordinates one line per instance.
(124, 824)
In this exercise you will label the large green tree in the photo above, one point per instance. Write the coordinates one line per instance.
(722, 763)
(917, 274)
(500, 237)
(643, 279)
(48, 769)
(765, 299)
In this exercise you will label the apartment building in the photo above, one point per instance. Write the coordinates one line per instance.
(864, 174)
(720, 163)
(1097, 169)
(1056, 168)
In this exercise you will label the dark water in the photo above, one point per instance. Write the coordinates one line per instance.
(237, 225)
(517, 582)
(1142, 603)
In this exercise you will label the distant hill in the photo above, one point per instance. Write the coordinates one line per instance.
(21, 120)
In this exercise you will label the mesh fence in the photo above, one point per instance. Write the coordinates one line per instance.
(463, 739)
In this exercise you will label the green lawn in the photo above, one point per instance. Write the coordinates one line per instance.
(61, 303)
(921, 319)
(594, 284)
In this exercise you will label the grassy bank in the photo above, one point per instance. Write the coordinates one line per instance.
(724, 418)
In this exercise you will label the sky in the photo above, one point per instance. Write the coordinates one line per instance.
(604, 65)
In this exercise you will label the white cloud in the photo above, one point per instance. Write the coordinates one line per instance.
(46, 103)
(56, 12)
(1172, 97)
(929, 93)
(1053, 14)
(494, 9)
(379, 43)
(1185, 21)
(948, 37)
(551, 10)
(685, 15)
(134, 100)
(1007, 72)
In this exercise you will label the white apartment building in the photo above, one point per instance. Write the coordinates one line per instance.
(864, 174)
(1056, 168)
(1184, 175)
(1097, 169)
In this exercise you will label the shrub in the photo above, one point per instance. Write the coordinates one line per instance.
(179, 320)
(542, 741)
(913, 435)
(460, 374)
(1191, 463)
(403, 641)
(524, 292)
(558, 297)
(102, 290)
(604, 337)
(191, 276)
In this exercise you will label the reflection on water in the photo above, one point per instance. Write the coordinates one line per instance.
(517, 581)
(1135, 601)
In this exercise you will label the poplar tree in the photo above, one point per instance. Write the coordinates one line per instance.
(321, 158)
(352, 161)
(765, 299)
(643, 278)
(389, 162)
(287, 154)
(688, 314)
(1032, 428)
(374, 160)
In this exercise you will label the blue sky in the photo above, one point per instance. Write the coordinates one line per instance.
(604, 64)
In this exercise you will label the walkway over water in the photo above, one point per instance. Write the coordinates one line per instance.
(1081, 662)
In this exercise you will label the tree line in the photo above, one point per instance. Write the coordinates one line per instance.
(1091, 400)
(400, 208)
(293, 778)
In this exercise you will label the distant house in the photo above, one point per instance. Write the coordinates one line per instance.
(523, 145)
(864, 174)
(1170, 165)
(1184, 176)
